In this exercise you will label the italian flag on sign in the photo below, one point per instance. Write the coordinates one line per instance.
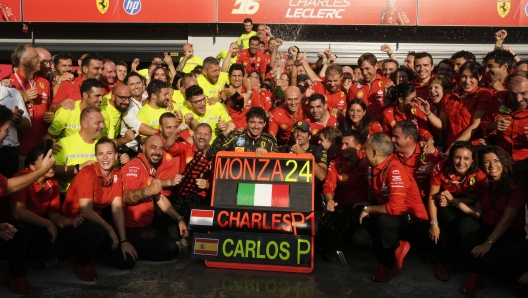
(265, 195)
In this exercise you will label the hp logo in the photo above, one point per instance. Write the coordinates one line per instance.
(132, 7)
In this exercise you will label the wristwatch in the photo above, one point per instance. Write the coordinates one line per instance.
(490, 242)
(434, 222)
(365, 209)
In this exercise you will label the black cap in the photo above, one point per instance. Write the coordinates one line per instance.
(303, 126)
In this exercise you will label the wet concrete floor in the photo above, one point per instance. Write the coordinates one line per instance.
(184, 277)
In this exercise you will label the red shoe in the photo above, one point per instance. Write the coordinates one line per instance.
(86, 273)
(517, 289)
(472, 284)
(401, 252)
(384, 274)
(441, 272)
(17, 284)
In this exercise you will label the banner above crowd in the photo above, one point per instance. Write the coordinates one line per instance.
(317, 12)
(125, 11)
(10, 10)
(503, 13)
(507, 13)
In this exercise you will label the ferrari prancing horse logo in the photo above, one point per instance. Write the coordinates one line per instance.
(102, 5)
(503, 7)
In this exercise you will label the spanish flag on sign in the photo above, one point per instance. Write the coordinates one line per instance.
(206, 246)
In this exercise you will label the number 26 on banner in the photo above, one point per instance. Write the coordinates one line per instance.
(246, 7)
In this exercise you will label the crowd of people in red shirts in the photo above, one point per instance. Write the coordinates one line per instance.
(104, 162)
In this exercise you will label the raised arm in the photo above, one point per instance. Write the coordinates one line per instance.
(387, 49)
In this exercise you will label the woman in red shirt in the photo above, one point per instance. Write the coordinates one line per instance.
(357, 118)
(402, 106)
(439, 91)
(500, 211)
(35, 211)
(461, 114)
(457, 177)
(94, 188)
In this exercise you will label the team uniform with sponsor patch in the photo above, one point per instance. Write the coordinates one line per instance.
(90, 183)
(137, 174)
(415, 167)
(514, 139)
(372, 95)
(40, 200)
(264, 99)
(241, 141)
(317, 126)
(281, 123)
(259, 62)
(36, 109)
(473, 185)
(394, 187)
(460, 109)
(334, 100)
(70, 90)
(346, 181)
(238, 115)
(393, 115)
(151, 242)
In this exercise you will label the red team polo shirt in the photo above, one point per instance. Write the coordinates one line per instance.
(317, 126)
(281, 123)
(335, 100)
(493, 213)
(346, 181)
(459, 111)
(239, 115)
(515, 138)
(172, 162)
(87, 184)
(414, 166)
(473, 184)
(372, 95)
(39, 200)
(422, 90)
(259, 63)
(392, 115)
(136, 176)
(263, 99)
(69, 89)
(394, 187)
(36, 109)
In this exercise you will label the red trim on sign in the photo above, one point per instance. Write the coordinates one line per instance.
(202, 213)
(280, 195)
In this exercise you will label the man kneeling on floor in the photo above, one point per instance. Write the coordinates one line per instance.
(142, 188)
(397, 202)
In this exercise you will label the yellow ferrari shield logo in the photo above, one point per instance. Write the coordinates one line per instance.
(102, 5)
(503, 7)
